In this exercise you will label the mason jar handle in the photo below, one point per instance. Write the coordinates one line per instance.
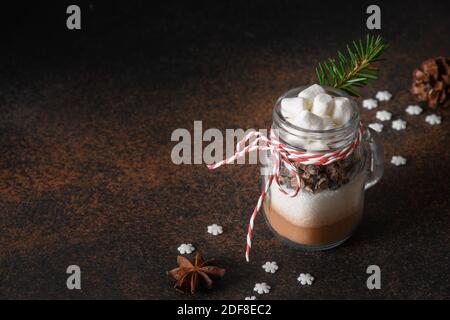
(376, 158)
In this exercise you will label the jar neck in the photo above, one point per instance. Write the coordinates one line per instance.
(318, 140)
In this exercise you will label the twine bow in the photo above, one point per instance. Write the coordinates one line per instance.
(285, 155)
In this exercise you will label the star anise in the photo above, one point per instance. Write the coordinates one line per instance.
(189, 277)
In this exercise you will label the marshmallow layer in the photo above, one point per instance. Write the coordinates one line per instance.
(314, 109)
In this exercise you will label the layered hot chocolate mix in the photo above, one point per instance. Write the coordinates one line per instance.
(317, 218)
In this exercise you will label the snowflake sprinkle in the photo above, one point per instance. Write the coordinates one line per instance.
(383, 95)
(399, 124)
(414, 110)
(305, 279)
(186, 248)
(378, 127)
(370, 104)
(250, 298)
(398, 160)
(215, 229)
(433, 119)
(384, 115)
(270, 267)
(262, 288)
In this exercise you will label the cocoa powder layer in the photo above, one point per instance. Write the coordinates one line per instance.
(322, 235)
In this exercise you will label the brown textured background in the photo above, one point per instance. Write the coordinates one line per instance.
(85, 171)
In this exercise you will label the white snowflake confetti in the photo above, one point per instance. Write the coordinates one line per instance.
(383, 95)
(186, 248)
(305, 279)
(378, 127)
(370, 104)
(433, 119)
(399, 124)
(262, 288)
(250, 298)
(270, 267)
(383, 115)
(215, 229)
(414, 110)
(398, 160)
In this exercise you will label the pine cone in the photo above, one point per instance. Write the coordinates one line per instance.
(431, 83)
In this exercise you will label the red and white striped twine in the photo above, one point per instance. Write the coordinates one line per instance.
(282, 154)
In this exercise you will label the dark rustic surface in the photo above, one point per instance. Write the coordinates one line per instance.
(85, 171)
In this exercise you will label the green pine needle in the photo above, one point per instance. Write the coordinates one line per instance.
(355, 69)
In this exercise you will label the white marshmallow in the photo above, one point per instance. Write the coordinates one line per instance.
(310, 93)
(291, 107)
(342, 111)
(308, 120)
(315, 146)
(297, 142)
(328, 123)
(322, 105)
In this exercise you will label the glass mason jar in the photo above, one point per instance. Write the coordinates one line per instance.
(329, 205)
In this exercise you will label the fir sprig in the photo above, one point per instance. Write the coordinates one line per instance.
(354, 70)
